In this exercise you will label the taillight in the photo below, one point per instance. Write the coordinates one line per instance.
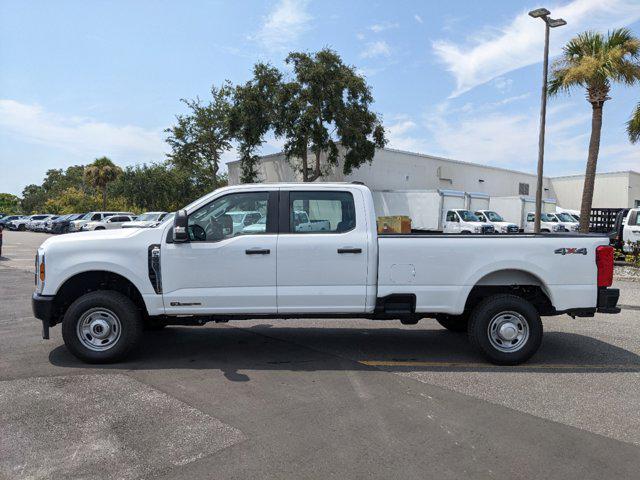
(604, 261)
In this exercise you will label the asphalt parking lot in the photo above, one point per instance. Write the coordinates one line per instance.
(316, 399)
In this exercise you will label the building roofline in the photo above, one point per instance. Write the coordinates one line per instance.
(578, 175)
(460, 162)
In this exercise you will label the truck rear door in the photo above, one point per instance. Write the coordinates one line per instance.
(322, 271)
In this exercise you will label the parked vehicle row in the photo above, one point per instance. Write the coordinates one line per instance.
(76, 222)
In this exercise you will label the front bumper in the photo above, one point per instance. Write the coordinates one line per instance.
(42, 306)
(608, 300)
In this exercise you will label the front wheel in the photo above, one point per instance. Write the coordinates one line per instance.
(102, 327)
(506, 328)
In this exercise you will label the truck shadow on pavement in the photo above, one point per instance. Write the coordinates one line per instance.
(238, 350)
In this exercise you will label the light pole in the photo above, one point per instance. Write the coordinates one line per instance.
(549, 23)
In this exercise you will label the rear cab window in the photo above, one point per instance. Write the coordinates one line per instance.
(321, 212)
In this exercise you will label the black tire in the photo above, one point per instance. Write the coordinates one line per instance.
(115, 303)
(21, 228)
(454, 323)
(99, 228)
(520, 311)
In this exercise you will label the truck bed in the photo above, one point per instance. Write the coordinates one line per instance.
(441, 269)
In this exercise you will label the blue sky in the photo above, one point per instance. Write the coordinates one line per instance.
(461, 79)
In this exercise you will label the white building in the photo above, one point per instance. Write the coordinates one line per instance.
(611, 190)
(398, 170)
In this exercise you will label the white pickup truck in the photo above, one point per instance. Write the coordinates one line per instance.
(106, 287)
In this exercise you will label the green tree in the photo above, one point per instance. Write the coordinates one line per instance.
(327, 106)
(253, 114)
(594, 61)
(33, 199)
(72, 200)
(633, 125)
(199, 138)
(158, 186)
(9, 204)
(100, 174)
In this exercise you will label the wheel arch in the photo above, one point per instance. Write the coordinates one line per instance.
(516, 281)
(92, 280)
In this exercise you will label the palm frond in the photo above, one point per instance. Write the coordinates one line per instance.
(633, 125)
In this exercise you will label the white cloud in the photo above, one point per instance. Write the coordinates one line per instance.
(376, 49)
(402, 135)
(381, 27)
(418, 18)
(284, 25)
(520, 43)
(489, 136)
(79, 135)
(502, 84)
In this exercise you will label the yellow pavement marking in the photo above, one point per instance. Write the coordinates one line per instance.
(546, 366)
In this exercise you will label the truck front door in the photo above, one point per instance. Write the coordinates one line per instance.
(322, 271)
(222, 269)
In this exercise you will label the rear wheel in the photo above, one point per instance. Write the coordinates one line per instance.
(505, 328)
(102, 327)
(453, 323)
(22, 228)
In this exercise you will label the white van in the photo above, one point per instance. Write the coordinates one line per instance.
(466, 222)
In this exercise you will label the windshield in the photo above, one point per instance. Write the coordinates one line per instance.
(565, 217)
(87, 216)
(467, 216)
(493, 217)
(548, 217)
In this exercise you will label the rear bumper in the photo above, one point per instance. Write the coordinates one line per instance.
(42, 306)
(608, 300)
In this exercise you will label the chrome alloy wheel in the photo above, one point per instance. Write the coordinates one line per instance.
(99, 329)
(508, 332)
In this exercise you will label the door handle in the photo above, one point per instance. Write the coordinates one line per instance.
(349, 250)
(257, 251)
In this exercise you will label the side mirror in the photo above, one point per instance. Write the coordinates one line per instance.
(180, 232)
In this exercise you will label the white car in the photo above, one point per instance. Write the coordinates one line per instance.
(567, 221)
(109, 223)
(631, 229)
(500, 225)
(104, 287)
(463, 221)
(146, 220)
(549, 223)
(40, 225)
(76, 225)
(24, 222)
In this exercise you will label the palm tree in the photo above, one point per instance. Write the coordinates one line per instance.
(100, 174)
(594, 61)
(633, 125)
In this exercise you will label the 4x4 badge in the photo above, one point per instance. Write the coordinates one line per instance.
(571, 251)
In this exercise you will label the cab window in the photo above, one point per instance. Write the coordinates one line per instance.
(230, 216)
(451, 216)
(530, 217)
(321, 212)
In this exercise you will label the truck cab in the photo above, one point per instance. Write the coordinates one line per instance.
(499, 223)
(631, 229)
(465, 222)
(548, 223)
(567, 221)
